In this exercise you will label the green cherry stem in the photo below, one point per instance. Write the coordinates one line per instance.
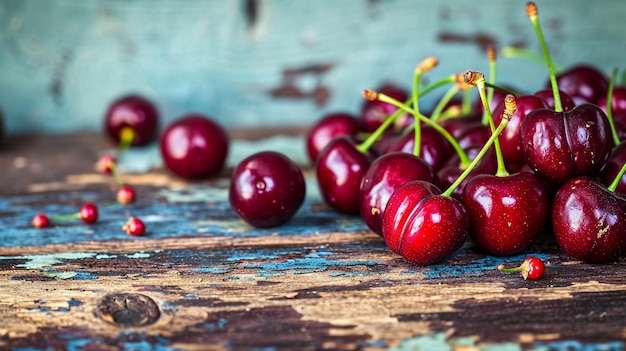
(375, 136)
(617, 179)
(65, 217)
(506, 116)
(478, 79)
(491, 54)
(609, 107)
(436, 115)
(116, 174)
(373, 95)
(531, 11)
(511, 51)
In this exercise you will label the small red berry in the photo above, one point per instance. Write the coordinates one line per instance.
(126, 195)
(134, 226)
(89, 213)
(40, 221)
(531, 268)
(105, 164)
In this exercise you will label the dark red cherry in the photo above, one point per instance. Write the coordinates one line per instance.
(384, 176)
(506, 213)
(135, 112)
(562, 145)
(448, 174)
(618, 105)
(473, 135)
(194, 147)
(89, 213)
(266, 189)
(589, 221)
(328, 127)
(339, 169)
(548, 97)
(423, 226)
(584, 83)
(510, 138)
(374, 113)
(435, 149)
(612, 167)
(456, 125)
(40, 220)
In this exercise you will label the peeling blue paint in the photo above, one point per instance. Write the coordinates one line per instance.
(311, 263)
(211, 270)
(572, 345)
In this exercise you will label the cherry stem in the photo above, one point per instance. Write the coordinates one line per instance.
(436, 115)
(478, 79)
(511, 51)
(372, 95)
(609, 107)
(127, 134)
(466, 102)
(491, 54)
(372, 138)
(531, 11)
(417, 126)
(65, 217)
(617, 179)
(506, 116)
(509, 270)
(116, 174)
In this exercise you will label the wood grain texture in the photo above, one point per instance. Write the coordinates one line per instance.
(272, 62)
(322, 282)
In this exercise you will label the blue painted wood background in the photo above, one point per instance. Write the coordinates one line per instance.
(267, 62)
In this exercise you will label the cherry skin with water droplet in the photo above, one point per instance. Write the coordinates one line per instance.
(194, 147)
(266, 189)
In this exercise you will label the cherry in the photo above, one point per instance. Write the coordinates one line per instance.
(507, 213)
(374, 113)
(126, 195)
(194, 147)
(589, 220)
(40, 220)
(618, 104)
(134, 226)
(612, 167)
(560, 145)
(435, 150)
(267, 189)
(450, 173)
(328, 127)
(89, 213)
(531, 268)
(339, 169)
(105, 164)
(134, 112)
(383, 177)
(584, 83)
(548, 97)
(455, 126)
(423, 226)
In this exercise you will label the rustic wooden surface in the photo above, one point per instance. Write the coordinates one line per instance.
(202, 279)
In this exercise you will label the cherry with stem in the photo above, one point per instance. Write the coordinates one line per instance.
(531, 268)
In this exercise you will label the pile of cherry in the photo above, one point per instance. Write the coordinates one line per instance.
(498, 171)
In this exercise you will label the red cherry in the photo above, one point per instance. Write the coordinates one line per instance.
(126, 195)
(584, 83)
(548, 97)
(531, 268)
(194, 147)
(374, 112)
(435, 149)
(339, 169)
(328, 127)
(423, 226)
(40, 220)
(105, 164)
(267, 189)
(611, 168)
(134, 226)
(89, 213)
(506, 213)
(589, 220)
(135, 112)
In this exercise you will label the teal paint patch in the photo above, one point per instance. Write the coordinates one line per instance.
(441, 342)
(310, 263)
(573, 345)
(211, 270)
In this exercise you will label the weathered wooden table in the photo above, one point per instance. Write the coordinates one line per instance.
(203, 279)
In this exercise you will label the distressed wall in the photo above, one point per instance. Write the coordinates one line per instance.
(267, 62)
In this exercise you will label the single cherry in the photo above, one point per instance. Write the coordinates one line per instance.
(589, 220)
(339, 169)
(531, 268)
(374, 113)
(105, 164)
(126, 195)
(89, 213)
(435, 149)
(134, 112)
(134, 226)
(267, 189)
(384, 176)
(548, 97)
(330, 126)
(584, 83)
(40, 220)
(194, 147)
